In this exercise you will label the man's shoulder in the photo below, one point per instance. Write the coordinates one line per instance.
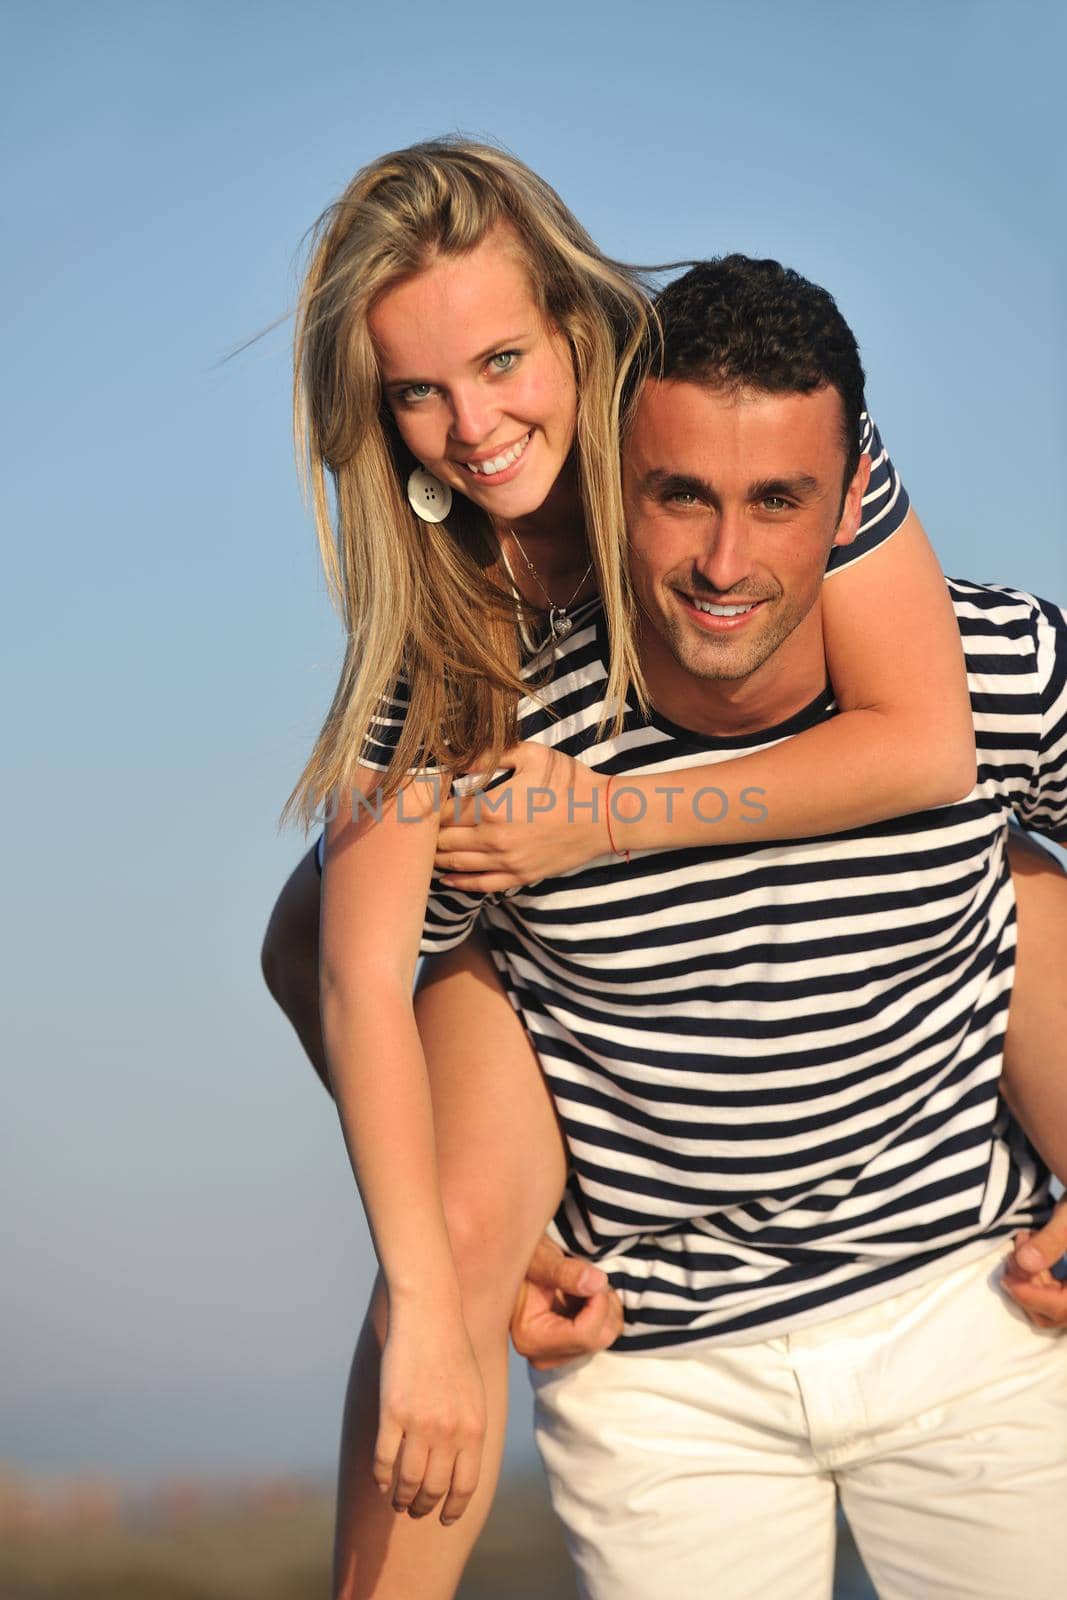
(1015, 645)
(998, 621)
(975, 601)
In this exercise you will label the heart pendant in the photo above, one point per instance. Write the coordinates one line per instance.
(559, 622)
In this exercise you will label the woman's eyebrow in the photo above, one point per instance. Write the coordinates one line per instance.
(502, 344)
(495, 348)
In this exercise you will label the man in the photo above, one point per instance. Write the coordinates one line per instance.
(777, 1065)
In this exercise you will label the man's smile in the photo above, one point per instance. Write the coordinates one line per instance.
(719, 616)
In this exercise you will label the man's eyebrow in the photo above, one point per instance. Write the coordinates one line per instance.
(476, 361)
(659, 480)
(798, 487)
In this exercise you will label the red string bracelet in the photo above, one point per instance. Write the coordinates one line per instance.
(611, 837)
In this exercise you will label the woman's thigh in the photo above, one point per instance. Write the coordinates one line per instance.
(500, 1153)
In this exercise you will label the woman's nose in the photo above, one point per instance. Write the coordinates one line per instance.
(473, 417)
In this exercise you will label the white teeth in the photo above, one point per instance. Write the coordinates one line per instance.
(722, 611)
(488, 469)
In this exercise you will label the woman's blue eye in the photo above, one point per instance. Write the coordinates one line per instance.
(416, 391)
(504, 360)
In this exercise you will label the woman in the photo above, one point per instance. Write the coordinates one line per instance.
(456, 319)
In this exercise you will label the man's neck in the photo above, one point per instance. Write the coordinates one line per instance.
(786, 683)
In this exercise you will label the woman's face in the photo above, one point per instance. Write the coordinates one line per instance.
(482, 388)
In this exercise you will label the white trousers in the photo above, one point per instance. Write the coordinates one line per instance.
(939, 1416)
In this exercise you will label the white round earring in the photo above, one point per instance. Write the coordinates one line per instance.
(428, 497)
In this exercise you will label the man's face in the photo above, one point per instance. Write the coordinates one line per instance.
(733, 503)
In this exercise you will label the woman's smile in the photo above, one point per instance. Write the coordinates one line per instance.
(495, 466)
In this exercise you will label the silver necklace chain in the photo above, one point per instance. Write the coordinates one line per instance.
(558, 620)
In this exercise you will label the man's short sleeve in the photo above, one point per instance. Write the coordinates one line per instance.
(450, 916)
(885, 505)
(1044, 807)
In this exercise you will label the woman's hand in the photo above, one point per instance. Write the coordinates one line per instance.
(549, 818)
(432, 1415)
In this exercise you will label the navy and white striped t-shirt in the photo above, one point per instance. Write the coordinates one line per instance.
(776, 1065)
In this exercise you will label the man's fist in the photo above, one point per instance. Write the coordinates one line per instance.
(566, 1308)
(1028, 1277)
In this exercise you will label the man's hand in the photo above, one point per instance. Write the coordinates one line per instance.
(1028, 1277)
(566, 1308)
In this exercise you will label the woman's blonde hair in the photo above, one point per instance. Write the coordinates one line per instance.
(423, 599)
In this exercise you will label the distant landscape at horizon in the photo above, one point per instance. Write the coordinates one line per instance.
(261, 1539)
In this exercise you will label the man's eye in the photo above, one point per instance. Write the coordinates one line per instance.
(503, 361)
(775, 502)
(682, 497)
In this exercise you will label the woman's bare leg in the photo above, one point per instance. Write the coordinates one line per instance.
(502, 1169)
(1034, 1080)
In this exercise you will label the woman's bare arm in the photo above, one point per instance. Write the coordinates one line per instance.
(375, 883)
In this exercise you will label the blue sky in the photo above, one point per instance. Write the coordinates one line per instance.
(183, 1253)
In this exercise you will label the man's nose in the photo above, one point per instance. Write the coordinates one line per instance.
(724, 560)
(474, 416)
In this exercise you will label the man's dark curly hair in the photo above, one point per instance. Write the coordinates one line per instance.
(735, 322)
